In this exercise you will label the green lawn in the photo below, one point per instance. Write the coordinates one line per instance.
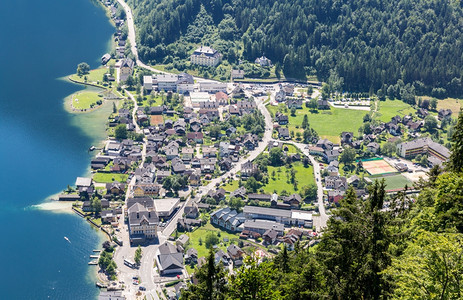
(230, 187)
(395, 182)
(304, 176)
(328, 123)
(109, 177)
(291, 148)
(201, 232)
(85, 100)
(95, 76)
(391, 108)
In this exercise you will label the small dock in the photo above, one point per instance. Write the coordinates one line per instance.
(101, 285)
(94, 256)
(93, 262)
(97, 251)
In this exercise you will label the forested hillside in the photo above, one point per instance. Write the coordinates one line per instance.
(372, 44)
(412, 250)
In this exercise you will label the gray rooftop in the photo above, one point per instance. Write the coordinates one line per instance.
(267, 211)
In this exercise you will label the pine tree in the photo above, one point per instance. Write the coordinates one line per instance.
(455, 163)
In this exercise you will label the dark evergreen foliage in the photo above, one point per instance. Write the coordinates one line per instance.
(398, 47)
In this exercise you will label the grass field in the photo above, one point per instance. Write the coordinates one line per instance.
(291, 148)
(450, 103)
(95, 76)
(391, 108)
(304, 176)
(328, 123)
(109, 177)
(395, 182)
(201, 233)
(85, 100)
(230, 187)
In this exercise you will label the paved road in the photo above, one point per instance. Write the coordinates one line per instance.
(133, 42)
(320, 222)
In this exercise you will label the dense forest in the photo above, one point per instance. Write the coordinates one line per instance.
(411, 250)
(372, 44)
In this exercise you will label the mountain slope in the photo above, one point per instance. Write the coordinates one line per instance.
(370, 43)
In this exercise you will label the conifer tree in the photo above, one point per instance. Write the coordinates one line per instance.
(455, 163)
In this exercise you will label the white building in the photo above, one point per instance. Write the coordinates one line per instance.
(206, 56)
(148, 82)
(263, 61)
(167, 82)
(212, 87)
(165, 207)
(181, 83)
(198, 97)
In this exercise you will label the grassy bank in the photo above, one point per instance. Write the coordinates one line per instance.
(86, 100)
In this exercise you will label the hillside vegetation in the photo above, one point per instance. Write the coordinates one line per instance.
(372, 44)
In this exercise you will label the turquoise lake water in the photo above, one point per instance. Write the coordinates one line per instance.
(43, 147)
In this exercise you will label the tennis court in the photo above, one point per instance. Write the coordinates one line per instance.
(377, 167)
(156, 120)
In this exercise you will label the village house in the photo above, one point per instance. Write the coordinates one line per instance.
(335, 195)
(195, 137)
(263, 61)
(323, 104)
(283, 133)
(325, 144)
(182, 241)
(373, 147)
(336, 182)
(280, 96)
(187, 153)
(195, 179)
(444, 113)
(347, 138)
(236, 254)
(191, 256)
(281, 118)
(247, 169)
(239, 193)
(294, 103)
(331, 155)
(125, 69)
(237, 74)
(221, 98)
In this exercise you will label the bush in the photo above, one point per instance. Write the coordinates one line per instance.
(211, 240)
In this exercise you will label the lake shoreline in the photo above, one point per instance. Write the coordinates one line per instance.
(51, 203)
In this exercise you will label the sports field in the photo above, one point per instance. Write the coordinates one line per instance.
(156, 120)
(377, 167)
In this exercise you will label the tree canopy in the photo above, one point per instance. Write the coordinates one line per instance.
(411, 47)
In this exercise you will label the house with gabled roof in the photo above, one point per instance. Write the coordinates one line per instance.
(168, 259)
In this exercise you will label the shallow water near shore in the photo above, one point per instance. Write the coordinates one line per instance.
(44, 148)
